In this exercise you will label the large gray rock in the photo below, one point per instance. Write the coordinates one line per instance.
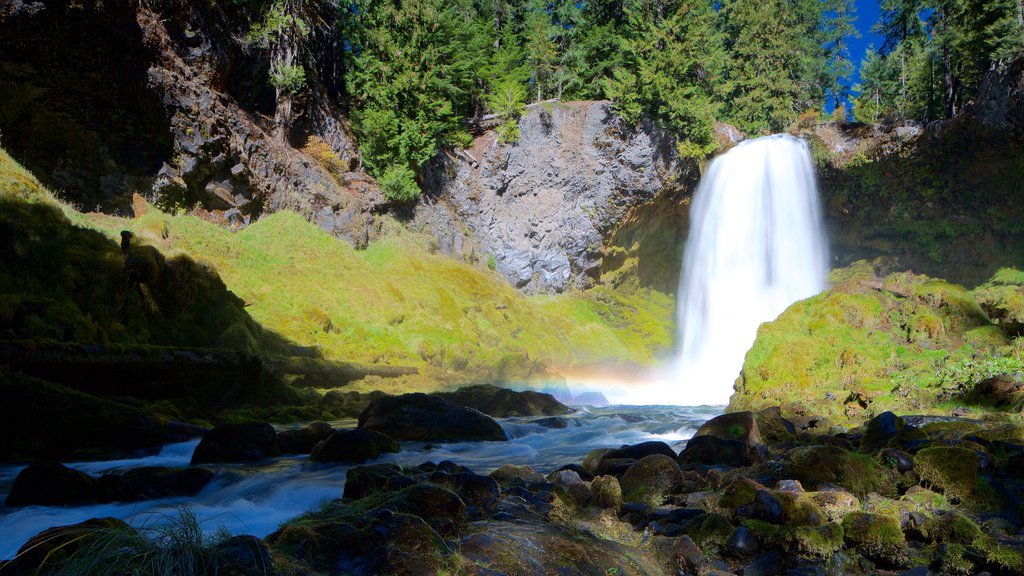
(541, 207)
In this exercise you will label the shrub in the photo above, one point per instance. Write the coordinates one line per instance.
(399, 184)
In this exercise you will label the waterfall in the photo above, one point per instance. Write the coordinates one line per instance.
(757, 244)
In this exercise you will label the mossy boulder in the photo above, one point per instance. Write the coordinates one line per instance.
(952, 470)
(773, 427)
(504, 403)
(606, 492)
(857, 473)
(877, 537)
(1002, 299)
(303, 440)
(363, 481)
(651, 480)
(836, 504)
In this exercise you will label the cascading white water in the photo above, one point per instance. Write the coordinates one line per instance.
(757, 244)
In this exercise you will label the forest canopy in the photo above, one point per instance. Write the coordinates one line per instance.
(416, 76)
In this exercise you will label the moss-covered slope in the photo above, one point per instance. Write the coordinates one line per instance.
(393, 303)
(872, 343)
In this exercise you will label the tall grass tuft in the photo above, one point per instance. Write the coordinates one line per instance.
(173, 544)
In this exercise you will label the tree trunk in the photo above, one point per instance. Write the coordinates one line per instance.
(948, 83)
(284, 58)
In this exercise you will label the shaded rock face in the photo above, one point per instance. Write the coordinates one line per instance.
(111, 98)
(423, 417)
(541, 207)
(246, 442)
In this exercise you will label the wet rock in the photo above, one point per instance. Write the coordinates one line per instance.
(553, 422)
(688, 556)
(770, 564)
(765, 507)
(475, 489)
(793, 486)
(714, 451)
(362, 481)
(638, 451)
(614, 466)
(743, 542)
(507, 473)
(152, 482)
(245, 556)
(579, 470)
(303, 440)
(651, 480)
(879, 431)
(505, 403)
(52, 484)
(593, 458)
(423, 417)
(353, 446)
(896, 459)
(248, 442)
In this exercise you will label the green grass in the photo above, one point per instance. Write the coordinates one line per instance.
(393, 303)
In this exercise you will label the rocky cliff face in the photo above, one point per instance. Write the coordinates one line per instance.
(105, 99)
(539, 210)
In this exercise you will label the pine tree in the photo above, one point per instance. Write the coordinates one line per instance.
(776, 61)
(415, 75)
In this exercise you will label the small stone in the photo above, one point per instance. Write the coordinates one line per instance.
(793, 486)
(743, 542)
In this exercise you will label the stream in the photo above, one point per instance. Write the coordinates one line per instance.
(257, 498)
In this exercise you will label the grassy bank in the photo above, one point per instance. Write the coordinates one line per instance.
(393, 303)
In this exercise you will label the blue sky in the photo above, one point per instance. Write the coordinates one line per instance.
(867, 16)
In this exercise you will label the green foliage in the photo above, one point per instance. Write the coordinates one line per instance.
(507, 101)
(289, 78)
(399, 184)
(672, 69)
(413, 79)
(776, 63)
(935, 53)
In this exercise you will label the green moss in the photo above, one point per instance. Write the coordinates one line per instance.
(1007, 555)
(857, 473)
(883, 340)
(739, 492)
(953, 470)
(875, 536)
(709, 531)
(952, 528)
(954, 560)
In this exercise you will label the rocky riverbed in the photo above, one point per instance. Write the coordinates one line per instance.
(603, 491)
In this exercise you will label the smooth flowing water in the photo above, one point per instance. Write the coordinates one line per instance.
(757, 244)
(257, 498)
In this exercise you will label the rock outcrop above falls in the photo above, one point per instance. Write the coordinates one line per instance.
(539, 210)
